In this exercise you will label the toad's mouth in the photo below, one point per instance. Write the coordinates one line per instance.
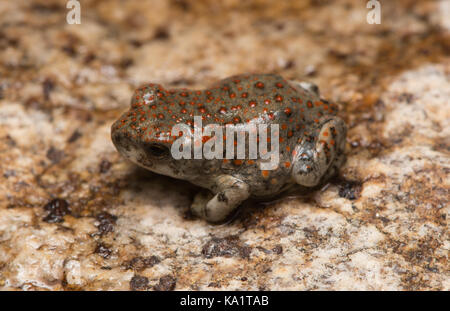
(131, 150)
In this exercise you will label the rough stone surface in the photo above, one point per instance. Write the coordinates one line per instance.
(75, 215)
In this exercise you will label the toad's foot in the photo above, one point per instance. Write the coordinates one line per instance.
(216, 208)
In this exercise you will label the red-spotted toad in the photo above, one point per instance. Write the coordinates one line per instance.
(311, 137)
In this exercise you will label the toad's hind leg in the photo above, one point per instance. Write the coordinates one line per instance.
(216, 208)
(317, 160)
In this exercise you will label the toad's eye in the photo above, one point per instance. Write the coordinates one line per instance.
(157, 150)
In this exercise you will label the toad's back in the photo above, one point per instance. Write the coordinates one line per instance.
(263, 98)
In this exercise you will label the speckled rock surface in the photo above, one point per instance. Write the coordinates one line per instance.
(75, 215)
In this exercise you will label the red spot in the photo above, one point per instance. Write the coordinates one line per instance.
(259, 85)
(205, 138)
(279, 98)
(288, 111)
(184, 94)
(252, 103)
(223, 110)
(161, 116)
(232, 95)
(267, 101)
(279, 85)
(183, 110)
(244, 95)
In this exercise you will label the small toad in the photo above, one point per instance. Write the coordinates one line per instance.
(310, 138)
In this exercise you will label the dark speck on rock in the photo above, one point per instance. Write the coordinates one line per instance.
(70, 50)
(407, 97)
(75, 135)
(126, 62)
(103, 250)
(161, 33)
(47, 87)
(10, 141)
(55, 155)
(279, 26)
(138, 282)
(107, 222)
(349, 190)
(278, 249)
(136, 43)
(262, 249)
(105, 165)
(57, 208)
(182, 4)
(166, 283)
(225, 247)
(9, 173)
(89, 58)
(141, 263)
(214, 284)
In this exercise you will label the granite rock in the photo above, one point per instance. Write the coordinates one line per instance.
(75, 215)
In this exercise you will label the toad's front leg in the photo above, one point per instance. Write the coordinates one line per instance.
(318, 160)
(231, 193)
